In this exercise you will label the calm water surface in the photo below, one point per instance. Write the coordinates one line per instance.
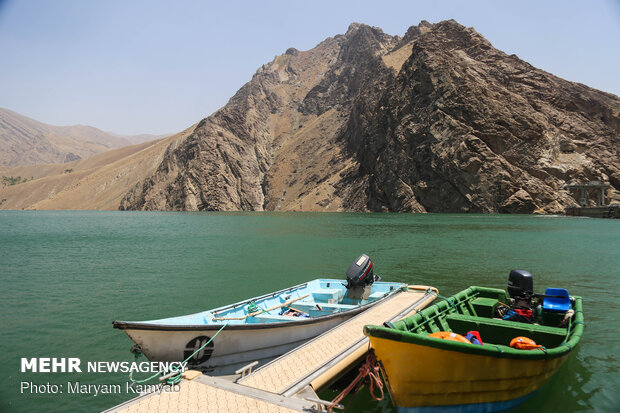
(66, 275)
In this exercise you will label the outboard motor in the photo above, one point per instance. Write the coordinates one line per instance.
(520, 284)
(360, 272)
(521, 287)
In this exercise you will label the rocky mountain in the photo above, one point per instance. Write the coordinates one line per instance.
(437, 120)
(25, 141)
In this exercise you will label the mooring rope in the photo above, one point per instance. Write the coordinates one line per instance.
(176, 377)
(370, 369)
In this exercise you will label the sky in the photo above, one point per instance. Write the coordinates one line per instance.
(158, 67)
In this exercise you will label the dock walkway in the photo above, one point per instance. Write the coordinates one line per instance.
(301, 371)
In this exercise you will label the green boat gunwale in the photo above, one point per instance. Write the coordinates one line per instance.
(401, 329)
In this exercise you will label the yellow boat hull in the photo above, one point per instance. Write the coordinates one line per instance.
(420, 375)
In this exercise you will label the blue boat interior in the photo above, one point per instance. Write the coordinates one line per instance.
(313, 299)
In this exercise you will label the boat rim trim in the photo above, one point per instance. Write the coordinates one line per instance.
(132, 325)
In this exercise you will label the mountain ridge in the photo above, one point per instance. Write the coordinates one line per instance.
(437, 120)
(27, 141)
(478, 131)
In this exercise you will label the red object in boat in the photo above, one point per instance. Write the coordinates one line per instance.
(525, 312)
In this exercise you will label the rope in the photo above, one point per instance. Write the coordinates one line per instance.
(177, 377)
(252, 307)
(424, 319)
(260, 311)
(370, 369)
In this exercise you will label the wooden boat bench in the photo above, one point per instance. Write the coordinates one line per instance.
(496, 331)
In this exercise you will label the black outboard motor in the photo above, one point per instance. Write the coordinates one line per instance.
(360, 272)
(521, 287)
(520, 284)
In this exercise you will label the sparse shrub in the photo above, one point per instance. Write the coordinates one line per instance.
(13, 180)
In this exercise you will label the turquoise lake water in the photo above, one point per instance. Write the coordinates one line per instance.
(64, 276)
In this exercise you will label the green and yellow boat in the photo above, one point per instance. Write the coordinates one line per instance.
(428, 374)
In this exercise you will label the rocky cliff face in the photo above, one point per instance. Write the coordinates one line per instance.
(436, 121)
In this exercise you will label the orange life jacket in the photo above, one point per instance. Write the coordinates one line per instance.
(524, 343)
(446, 335)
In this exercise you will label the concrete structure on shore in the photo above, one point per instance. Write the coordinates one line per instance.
(601, 210)
(599, 187)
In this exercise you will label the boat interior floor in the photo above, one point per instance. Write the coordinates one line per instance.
(497, 331)
(477, 314)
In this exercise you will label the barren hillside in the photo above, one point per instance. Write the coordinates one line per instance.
(99, 182)
(25, 141)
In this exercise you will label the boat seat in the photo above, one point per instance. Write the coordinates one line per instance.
(312, 309)
(329, 307)
(328, 295)
(502, 331)
(336, 306)
(377, 295)
(558, 304)
(272, 318)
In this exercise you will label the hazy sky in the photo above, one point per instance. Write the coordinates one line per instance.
(159, 66)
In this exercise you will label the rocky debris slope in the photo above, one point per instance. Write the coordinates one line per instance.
(436, 121)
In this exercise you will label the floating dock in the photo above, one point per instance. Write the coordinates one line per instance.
(290, 382)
